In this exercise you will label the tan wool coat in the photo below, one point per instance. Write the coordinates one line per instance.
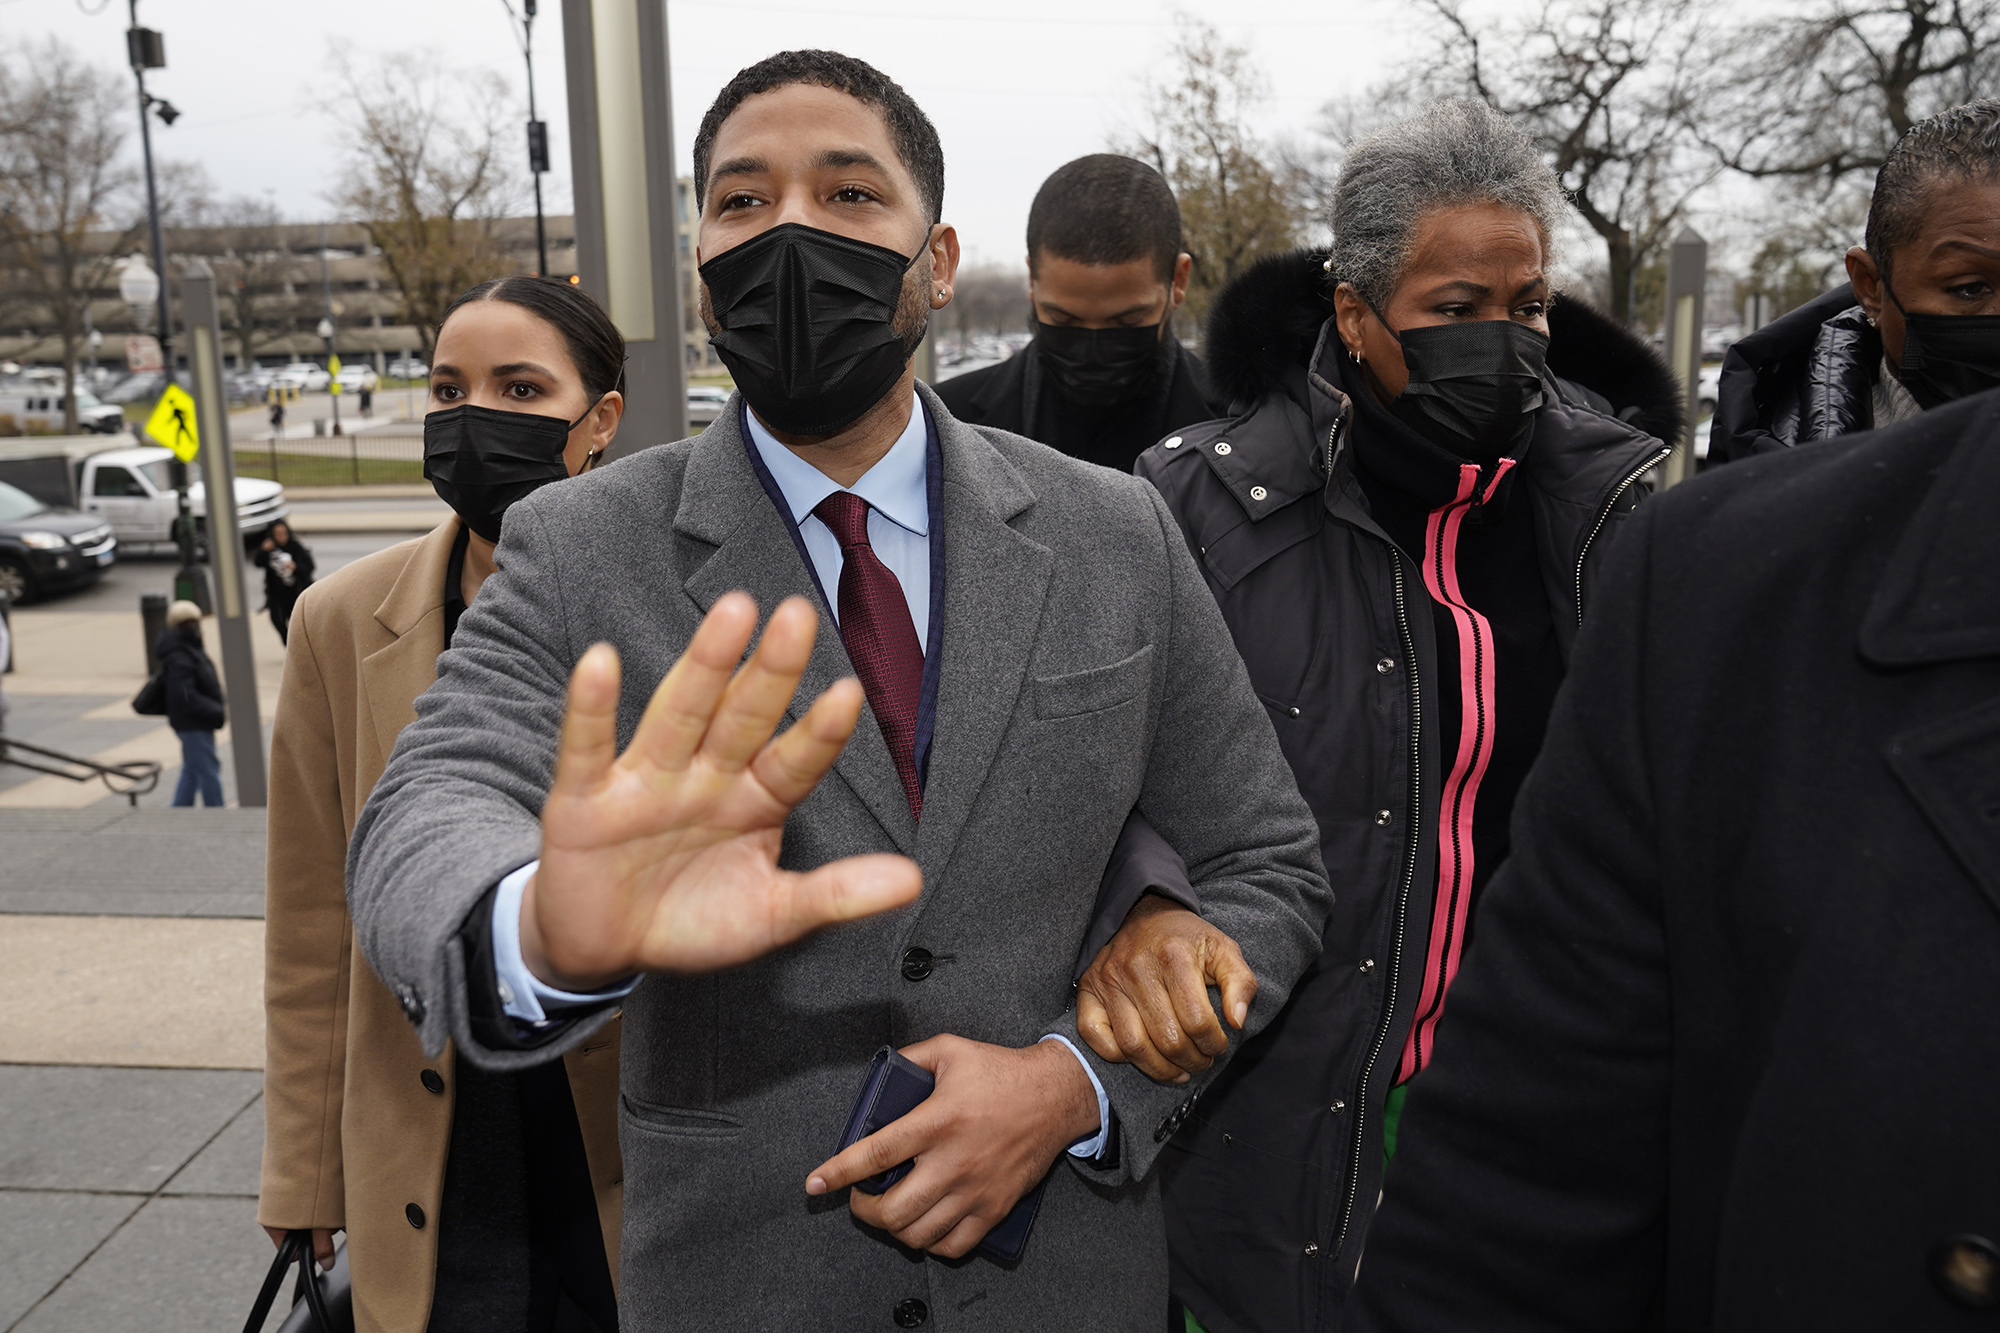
(354, 1137)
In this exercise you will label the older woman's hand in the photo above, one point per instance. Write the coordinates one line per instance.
(1144, 1000)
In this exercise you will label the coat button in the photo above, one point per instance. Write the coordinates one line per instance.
(432, 1080)
(1222, 448)
(415, 1214)
(413, 1003)
(1383, 818)
(1384, 665)
(912, 1313)
(1174, 443)
(917, 964)
(1291, 712)
(1967, 1269)
(1367, 965)
(1258, 492)
(1337, 1107)
(1312, 1247)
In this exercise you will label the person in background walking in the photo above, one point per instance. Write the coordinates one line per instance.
(451, 1223)
(1912, 330)
(288, 572)
(277, 412)
(194, 704)
(367, 400)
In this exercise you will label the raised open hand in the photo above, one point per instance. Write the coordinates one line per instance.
(665, 858)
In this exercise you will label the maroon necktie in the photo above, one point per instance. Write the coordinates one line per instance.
(880, 636)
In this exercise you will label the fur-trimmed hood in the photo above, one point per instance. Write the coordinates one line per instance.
(1263, 327)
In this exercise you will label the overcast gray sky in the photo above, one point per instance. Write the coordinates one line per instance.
(1017, 87)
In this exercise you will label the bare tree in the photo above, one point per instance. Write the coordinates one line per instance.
(428, 176)
(989, 299)
(1609, 90)
(252, 273)
(64, 192)
(1823, 92)
(1236, 204)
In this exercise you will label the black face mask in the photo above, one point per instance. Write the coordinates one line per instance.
(1948, 357)
(808, 322)
(1099, 367)
(1475, 386)
(480, 460)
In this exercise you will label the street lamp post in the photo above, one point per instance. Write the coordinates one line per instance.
(148, 50)
(332, 384)
(538, 133)
(139, 286)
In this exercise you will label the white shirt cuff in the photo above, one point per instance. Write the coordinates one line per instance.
(1092, 1147)
(521, 995)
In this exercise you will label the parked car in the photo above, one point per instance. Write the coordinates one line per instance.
(304, 375)
(353, 379)
(704, 403)
(47, 548)
(407, 367)
(143, 387)
(133, 490)
(36, 409)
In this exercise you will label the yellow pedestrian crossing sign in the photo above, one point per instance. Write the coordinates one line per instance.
(333, 367)
(173, 423)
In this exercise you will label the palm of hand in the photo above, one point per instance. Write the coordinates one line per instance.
(665, 858)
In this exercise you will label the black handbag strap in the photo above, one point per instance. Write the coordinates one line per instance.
(297, 1249)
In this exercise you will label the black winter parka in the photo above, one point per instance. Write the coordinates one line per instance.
(1272, 1176)
(194, 695)
(1808, 375)
(1722, 1056)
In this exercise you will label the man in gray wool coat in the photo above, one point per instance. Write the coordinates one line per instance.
(1039, 659)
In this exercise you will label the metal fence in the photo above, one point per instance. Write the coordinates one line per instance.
(375, 456)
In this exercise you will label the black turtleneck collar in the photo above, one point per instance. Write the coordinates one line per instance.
(1387, 450)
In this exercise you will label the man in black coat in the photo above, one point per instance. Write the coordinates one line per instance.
(1723, 1053)
(1104, 377)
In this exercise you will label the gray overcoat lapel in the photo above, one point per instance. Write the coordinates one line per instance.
(995, 583)
(723, 504)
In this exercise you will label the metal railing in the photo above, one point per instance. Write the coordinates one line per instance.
(375, 456)
(138, 776)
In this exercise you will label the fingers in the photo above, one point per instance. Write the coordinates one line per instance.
(1186, 989)
(762, 690)
(889, 1146)
(845, 890)
(684, 705)
(1093, 1024)
(323, 1247)
(589, 744)
(1141, 1039)
(792, 765)
(1236, 981)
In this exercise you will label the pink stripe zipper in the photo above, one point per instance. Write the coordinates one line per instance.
(1475, 751)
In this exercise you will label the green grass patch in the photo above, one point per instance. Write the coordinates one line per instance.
(320, 470)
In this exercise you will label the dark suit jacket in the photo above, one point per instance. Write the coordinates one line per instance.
(1085, 671)
(1722, 1053)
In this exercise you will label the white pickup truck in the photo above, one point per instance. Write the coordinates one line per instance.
(131, 490)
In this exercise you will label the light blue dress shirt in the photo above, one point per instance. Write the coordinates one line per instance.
(897, 490)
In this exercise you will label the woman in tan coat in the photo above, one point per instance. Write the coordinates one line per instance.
(471, 1200)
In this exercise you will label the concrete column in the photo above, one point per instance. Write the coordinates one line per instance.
(1687, 279)
(622, 163)
(225, 543)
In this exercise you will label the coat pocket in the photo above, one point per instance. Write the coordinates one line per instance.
(1095, 689)
(679, 1121)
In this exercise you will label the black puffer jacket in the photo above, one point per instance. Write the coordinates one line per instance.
(1274, 1172)
(194, 695)
(1808, 375)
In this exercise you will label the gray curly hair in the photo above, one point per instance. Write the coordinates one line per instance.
(1453, 152)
